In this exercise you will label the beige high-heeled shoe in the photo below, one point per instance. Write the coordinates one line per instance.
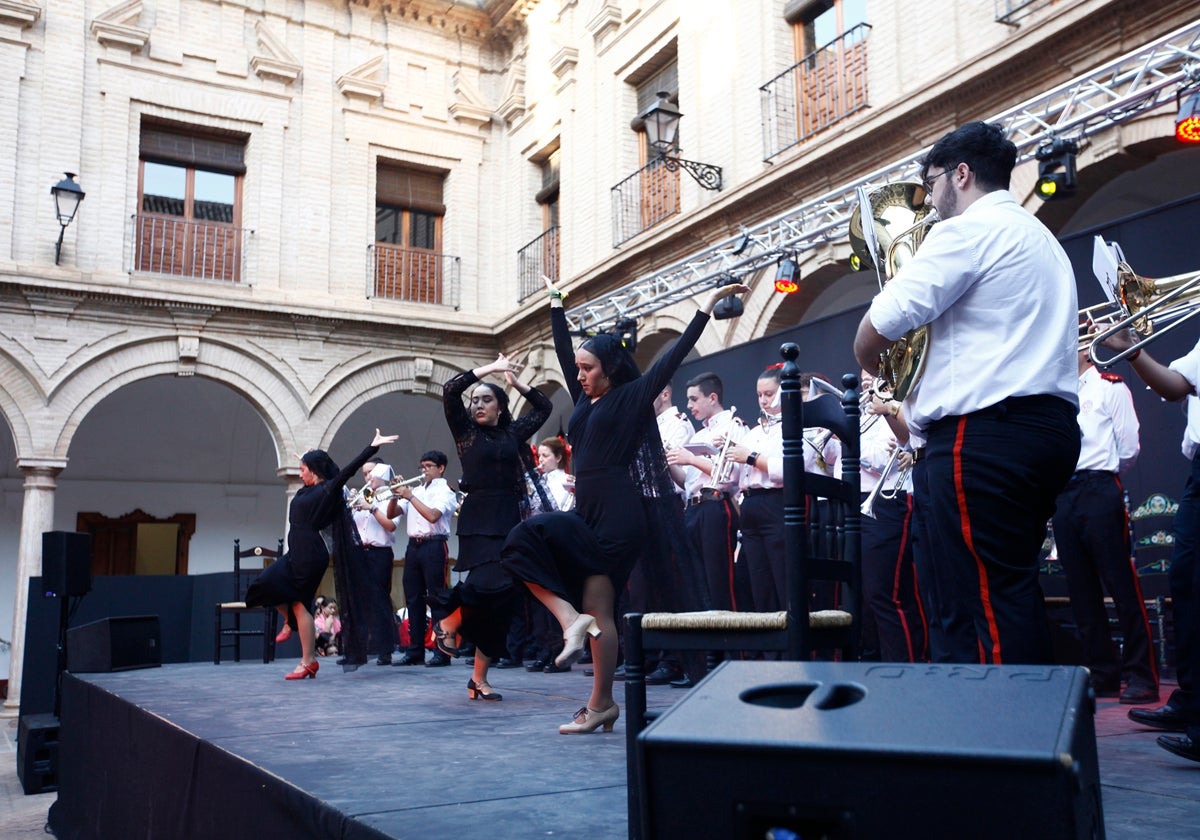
(574, 639)
(589, 720)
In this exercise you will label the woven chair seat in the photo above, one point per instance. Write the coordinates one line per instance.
(830, 618)
(715, 620)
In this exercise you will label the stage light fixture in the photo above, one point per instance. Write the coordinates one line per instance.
(1056, 169)
(626, 330)
(787, 276)
(1187, 123)
(729, 307)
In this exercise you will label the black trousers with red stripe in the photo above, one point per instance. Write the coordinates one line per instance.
(1091, 532)
(712, 527)
(889, 581)
(993, 477)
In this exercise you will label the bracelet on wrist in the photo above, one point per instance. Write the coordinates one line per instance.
(555, 294)
(1136, 353)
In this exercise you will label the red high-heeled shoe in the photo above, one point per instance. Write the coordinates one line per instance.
(307, 671)
(284, 634)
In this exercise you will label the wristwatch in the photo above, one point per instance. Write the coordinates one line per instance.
(751, 459)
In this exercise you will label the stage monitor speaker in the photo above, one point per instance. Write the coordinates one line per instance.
(121, 643)
(37, 753)
(66, 563)
(848, 750)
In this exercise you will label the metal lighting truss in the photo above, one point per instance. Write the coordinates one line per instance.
(1107, 96)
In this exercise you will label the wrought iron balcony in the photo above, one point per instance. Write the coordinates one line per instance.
(181, 248)
(414, 274)
(644, 199)
(535, 259)
(825, 86)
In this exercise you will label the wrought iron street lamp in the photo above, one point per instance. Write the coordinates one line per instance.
(67, 196)
(662, 125)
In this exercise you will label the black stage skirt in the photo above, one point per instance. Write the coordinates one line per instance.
(604, 535)
(486, 597)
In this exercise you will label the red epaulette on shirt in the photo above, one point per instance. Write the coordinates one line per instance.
(1111, 377)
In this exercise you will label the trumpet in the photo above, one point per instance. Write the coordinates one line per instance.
(722, 470)
(369, 495)
(878, 492)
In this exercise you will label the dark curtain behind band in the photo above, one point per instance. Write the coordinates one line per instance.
(1158, 243)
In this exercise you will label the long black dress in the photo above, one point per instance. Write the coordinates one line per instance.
(295, 576)
(616, 451)
(494, 481)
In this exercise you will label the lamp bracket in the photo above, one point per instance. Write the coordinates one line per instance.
(705, 174)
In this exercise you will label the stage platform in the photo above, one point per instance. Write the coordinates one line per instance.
(198, 750)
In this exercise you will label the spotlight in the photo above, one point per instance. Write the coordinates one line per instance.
(1056, 169)
(626, 330)
(1187, 124)
(787, 276)
(729, 307)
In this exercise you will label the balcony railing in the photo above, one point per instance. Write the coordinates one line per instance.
(180, 248)
(1010, 11)
(537, 258)
(825, 86)
(414, 274)
(644, 199)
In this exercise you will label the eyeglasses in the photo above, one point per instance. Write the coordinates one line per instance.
(927, 181)
(428, 465)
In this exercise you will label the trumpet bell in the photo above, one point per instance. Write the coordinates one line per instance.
(1153, 307)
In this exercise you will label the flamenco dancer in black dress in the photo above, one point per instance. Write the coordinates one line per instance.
(575, 562)
(290, 583)
(495, 456)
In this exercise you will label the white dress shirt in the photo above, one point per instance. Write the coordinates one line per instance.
(438, 496)
(1108, 422)
(721, 425)
(676, 429)
(766, 441)
(1189, 367)
(877, 443)
(556, 483)
(999, 295)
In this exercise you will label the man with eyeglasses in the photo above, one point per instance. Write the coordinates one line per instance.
(997, 402)
(430, 507)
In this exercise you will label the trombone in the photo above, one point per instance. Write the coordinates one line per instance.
(1152, 307)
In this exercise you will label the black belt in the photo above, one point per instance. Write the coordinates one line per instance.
(368, 545)
(708, 494)
(918, 454)
(433, 538)
(1084, 475)
(760, 491)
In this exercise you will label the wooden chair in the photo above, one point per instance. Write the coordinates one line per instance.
(823, 542)
(226, 636)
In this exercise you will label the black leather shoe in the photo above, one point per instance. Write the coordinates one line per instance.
(1181, 745)
(683, 682)
(506, 662)
(536, 666)
(1167, 717)
(662, 675)
(1139, 695)
(551, 668)
(409, 659)
(386, 659)
(438, 660)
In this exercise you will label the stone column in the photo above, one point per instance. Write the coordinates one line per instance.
(37, 516)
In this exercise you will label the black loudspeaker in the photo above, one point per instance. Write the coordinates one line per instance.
(37, 753)
(840, 750)
(121, 643)
(66, 563)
